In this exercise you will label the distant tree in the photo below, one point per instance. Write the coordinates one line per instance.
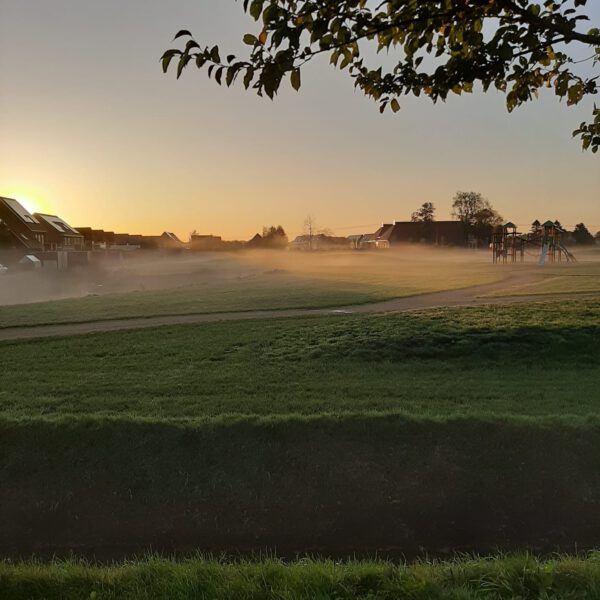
(536, 226)
(274, 237)
(582, 236)
(425, 214)
(476, 213)
(326, 231)
(472, 209)
(558, 224)
(310, 228)
(597, 237)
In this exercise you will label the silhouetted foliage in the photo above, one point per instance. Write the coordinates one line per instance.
(582, 236)
(444, 46)
(274, 237)
(425, 214)
(476, 213)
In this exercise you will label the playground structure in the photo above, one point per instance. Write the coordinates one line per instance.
(508, 245)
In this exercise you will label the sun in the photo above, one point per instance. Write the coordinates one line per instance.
(28, 198)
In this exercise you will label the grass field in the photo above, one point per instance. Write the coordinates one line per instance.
(271, 282)
(510, 577)
(578, 278)
(538, 359)
(434, 431)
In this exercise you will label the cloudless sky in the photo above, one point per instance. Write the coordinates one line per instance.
(92, 130)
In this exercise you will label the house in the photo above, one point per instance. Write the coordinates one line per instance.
(367, 241)
(256, 242)
(444, 233)
(320, 241)
(59, 234)
(20, 229)
(205, 242)
(169, 241)
(96, 239)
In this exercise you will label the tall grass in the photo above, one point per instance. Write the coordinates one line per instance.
(496, 578)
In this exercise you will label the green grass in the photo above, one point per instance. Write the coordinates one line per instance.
(509, 577)
(535, 360)
(579, 278)
(257, 293)
(337, 286)
(466, 429)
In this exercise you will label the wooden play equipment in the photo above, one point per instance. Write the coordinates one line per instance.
(508, 245)
(553, 249)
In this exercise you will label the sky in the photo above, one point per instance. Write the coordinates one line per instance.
(91, 130)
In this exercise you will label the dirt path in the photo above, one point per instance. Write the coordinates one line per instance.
(472, 296)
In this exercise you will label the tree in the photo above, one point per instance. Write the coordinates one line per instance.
(582, 236)
(536, 227)
(472, 208)
(310, 227)
(476, 213)
(274, 237)
(442, 46)
(425, 214)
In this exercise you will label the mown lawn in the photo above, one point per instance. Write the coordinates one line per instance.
(323, 281)
(536, 359)
(571, 278)
(506, 577)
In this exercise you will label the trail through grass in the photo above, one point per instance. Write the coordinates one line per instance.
(315, 282)
(538, 359)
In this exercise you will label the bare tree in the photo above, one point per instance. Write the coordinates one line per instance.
(310, 226)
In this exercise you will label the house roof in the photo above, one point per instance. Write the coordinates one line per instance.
(20, 211)
(57, 224)
(171, 236)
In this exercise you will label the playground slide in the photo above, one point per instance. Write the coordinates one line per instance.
(568, 254)
(544, 253)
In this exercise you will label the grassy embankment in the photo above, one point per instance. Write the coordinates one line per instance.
(523, 577)
(452, 429)
(289, 282)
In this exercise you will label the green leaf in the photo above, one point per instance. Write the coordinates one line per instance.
(256, 9)
(295, 79)
(248, 77)
(250, 40)
(167, 57)
(182, 33)
(395, 105)
(214, 54)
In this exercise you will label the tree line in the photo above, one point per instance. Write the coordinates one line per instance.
(480, 218)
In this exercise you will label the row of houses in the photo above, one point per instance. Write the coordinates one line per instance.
(38, 232)
(41, 233)
(20, 229)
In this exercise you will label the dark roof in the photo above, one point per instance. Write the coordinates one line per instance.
(56, 224)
